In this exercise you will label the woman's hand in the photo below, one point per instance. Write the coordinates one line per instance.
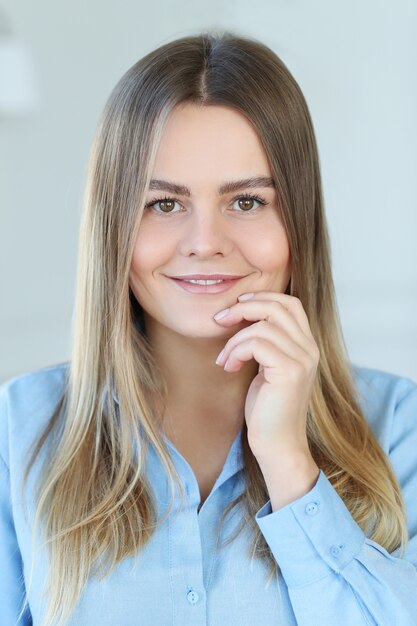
(280, 340)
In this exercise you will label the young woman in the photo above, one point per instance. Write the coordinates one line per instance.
(209, 452)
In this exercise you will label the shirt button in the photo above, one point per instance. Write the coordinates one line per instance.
(192, 596)
(312, 508)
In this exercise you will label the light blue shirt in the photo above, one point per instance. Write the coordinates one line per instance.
(331, 572)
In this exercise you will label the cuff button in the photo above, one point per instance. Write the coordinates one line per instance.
(336, 550)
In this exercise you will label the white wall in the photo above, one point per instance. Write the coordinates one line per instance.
(356, 64)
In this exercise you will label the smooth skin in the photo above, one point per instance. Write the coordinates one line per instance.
(271, 354)
(280, 340)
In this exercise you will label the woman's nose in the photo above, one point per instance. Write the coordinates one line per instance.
(206, 234)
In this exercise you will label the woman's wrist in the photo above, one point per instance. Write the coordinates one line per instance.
(288, 477)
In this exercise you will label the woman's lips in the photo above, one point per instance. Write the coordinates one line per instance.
(206, 289)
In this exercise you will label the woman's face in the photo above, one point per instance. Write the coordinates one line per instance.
(198, 230)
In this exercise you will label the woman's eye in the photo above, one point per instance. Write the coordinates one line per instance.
(166, 205)
(246, 203)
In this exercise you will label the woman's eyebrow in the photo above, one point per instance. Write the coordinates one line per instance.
(228, 187)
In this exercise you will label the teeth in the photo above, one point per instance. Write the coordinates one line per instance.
(203, 282)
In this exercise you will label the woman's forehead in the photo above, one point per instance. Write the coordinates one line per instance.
(212, 143)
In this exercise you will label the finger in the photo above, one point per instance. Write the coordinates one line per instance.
(276, 364)
(292, 304)
(269, 332)
(271, 311)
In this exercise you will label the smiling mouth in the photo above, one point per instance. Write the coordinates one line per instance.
(196, 281)
(205, 286)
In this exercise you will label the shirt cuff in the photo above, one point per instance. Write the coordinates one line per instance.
(313, 536)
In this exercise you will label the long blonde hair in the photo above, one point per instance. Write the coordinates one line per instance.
(93, 500)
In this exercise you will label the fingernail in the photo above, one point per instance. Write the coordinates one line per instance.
(221, 314)
(245, 296)
(219, 358)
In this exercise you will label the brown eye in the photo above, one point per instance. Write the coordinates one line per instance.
(166, 206)
(163, 205)
(246, 203)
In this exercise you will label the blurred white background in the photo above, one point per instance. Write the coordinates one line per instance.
(356, 64)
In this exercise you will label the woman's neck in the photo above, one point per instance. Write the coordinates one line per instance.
(201, 396)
